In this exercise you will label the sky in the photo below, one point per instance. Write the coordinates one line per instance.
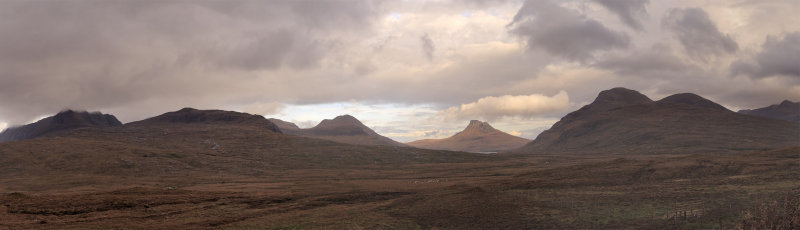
(408, 69)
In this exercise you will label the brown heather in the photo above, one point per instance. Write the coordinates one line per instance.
(199, 169)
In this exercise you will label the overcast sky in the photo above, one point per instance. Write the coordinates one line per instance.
(409, 69)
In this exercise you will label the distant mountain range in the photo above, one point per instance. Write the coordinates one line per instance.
(619, 120)
(344, 129)
(64, 120)
(478, 137)
(624, 121)
(786, 110)
(184, 168)
(191, 143)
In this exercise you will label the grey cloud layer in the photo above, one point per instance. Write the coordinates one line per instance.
(778, 56)
(699, 35)
(564, 32)
(629, 12)
(100, 54)
(657, 60)
(142, 58)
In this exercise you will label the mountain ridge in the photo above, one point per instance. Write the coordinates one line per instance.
(478, 136)
(344, 129)
(692, 99)
(680, 123)
(786, 110)
(195, 116)
(62, 121)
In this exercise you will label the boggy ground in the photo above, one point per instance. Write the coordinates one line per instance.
(501, 192)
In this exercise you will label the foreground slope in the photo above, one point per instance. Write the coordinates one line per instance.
(64, 120)
(478, 136)
(786, 110)
(527, 192)
(344, 129)
(625, 121)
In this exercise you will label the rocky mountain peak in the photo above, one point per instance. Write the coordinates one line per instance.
(621, 96)
(610, 99)
(83, 118)
(691, 99)
(787, 103)
(64, 120)
(340, 121)
(478, 136)
(196, 116)
(786, 110)
(479, 126)
(345, 119)
(344, 125)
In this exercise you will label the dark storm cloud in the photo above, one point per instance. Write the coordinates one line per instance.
(564, 32)
(109, 54)
(777, 57)
(698, 34)
(427, 46)
(628, 11)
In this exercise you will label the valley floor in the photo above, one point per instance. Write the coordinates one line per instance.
(509, 192)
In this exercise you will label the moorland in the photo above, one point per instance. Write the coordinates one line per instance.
(220, 169)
